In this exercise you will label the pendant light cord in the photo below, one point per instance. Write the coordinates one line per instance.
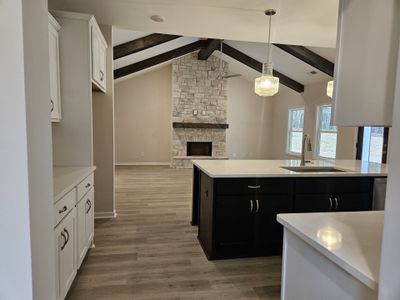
(269, 40)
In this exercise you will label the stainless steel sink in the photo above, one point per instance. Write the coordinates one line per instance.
(313, 169)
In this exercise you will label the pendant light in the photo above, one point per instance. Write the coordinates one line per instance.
(329, 88)
(267, 84)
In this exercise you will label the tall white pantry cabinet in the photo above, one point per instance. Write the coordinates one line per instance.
(81, 68)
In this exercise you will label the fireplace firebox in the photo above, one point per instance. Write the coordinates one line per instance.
(199, 149)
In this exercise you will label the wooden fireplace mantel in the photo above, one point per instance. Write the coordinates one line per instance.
(199, 125)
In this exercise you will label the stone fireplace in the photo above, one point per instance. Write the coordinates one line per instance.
(199, 103)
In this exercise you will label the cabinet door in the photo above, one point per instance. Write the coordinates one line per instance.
(352, 202)
(67, 266)
(365, 80)
(95, 56)
(102, 65)
(55, 95)
(234, 226)
(89, 217)
(82, 245)
(268, 232)
(313, 203)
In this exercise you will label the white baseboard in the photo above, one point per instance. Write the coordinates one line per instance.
(142, 163)
(105, 215)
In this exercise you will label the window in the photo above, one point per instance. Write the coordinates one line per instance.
(295, 130)
(326, 134)
(373, 141)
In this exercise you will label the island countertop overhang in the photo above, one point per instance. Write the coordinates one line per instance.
(273, 168)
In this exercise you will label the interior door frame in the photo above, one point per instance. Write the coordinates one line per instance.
(359, 145)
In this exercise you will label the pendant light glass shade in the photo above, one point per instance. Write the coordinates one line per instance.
(329, 88)
(266, 84)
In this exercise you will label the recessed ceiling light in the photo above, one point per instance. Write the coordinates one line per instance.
(157, 18)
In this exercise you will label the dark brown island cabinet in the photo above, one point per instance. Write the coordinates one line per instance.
(236, 217)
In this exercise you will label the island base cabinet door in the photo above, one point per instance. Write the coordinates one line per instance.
(268, 237)
(233, 226)
(352, 202)
(89, 217)
(82, 244)
(65, 232)
(313, 203)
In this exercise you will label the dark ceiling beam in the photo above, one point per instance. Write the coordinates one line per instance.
(158, 59)
(256, 65)
(142, 43)
(309, 57)
(212, 45)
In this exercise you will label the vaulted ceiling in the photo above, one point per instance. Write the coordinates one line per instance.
(305, 22)
(241, 23)
(284, 62)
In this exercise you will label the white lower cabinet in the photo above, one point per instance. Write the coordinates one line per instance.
(85, 221)
(82, 245)
(74, 233)
(66, 244)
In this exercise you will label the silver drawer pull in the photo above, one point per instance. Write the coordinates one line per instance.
(254, 186)
(336, 203)
(257, 206)
(251, 206)
(331, 203)
(64, 209)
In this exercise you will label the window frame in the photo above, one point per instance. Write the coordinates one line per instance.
(319, 130)
(289, 130)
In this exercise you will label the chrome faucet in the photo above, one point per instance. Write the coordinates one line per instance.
(306, 141)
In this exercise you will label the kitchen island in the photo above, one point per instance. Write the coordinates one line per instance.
(235, 202)
(337, 255)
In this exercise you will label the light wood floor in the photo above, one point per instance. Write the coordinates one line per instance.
(150, 251)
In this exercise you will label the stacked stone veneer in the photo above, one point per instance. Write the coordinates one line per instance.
(195, 87)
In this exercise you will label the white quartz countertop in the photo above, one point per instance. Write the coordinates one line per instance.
(273, 168)
(65, 178)
(352, 240)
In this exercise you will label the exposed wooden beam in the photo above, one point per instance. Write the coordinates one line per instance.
(142, 43)
(158, 59)
(309, 57)
(256, 65)
(212, 45)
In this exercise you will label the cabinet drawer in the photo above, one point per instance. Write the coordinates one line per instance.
(333, 185)
(227, 186)
(85, 186)
(64, 206)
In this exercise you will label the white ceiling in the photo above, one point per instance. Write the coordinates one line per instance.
(305, 22)
(121, 36)
(153, 51)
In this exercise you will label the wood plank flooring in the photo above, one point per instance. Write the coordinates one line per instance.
(150, 251)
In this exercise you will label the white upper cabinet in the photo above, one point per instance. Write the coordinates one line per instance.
(365, 69)
(54, 62)
(99, 47)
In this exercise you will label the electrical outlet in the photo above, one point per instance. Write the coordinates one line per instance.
(203, 112)
(195, 112)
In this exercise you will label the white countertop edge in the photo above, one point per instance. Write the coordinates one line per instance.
(276, 169)
(295, 174)
(367, 280)
(86, 172)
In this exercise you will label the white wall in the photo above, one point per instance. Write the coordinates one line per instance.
(27, 254)
(143, 118)
(389, 279)
(249, 116)
(103, 136)
(313, 96)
